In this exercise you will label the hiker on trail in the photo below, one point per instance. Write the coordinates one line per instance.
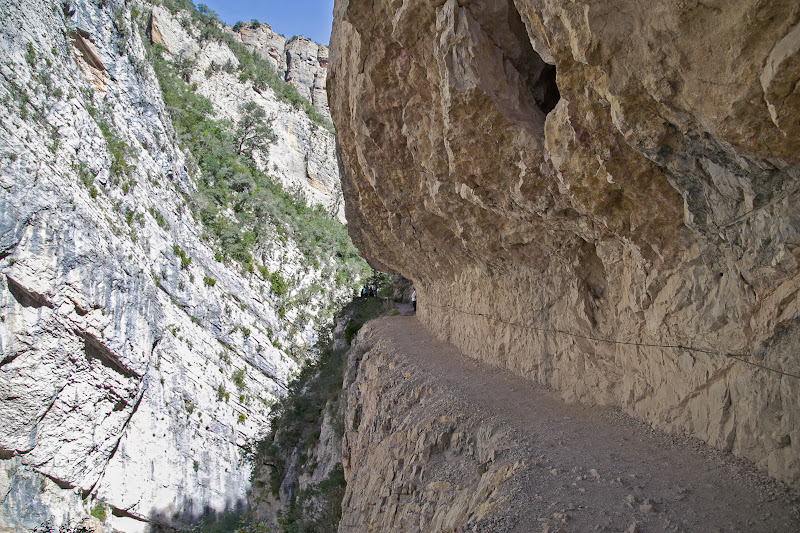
(414, 299)
(363, 292)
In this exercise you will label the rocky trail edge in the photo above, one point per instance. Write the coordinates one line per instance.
(590, 468)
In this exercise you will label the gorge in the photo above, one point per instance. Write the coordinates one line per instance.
(166, 264)
(596, 203)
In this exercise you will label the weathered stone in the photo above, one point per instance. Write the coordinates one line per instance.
(412, 431)
(299, 60)
(602, 197)
(127, 377)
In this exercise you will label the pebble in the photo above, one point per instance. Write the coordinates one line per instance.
(647, 506)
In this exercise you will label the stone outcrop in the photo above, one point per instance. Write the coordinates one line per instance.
(601, 197)
(302, 155)
(134, 365)
(417, 457)
(300, 61)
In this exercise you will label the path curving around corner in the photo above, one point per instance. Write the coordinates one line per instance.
(594, 468)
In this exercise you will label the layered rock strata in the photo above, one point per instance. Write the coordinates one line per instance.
(134, 365)
(601, 197)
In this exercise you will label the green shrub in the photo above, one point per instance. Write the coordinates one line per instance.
(238, 378)
(99, 512)
(367, 310)
(30, 55)
(278, 285)
(117, 148)
(222, 394)
(185, 259)
(158, 217)
(209, 282)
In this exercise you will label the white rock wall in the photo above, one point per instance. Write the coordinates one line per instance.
(303, 155)
(126, 379)
(300, 61)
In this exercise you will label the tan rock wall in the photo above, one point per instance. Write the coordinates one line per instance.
(416, 457)
(565, 180)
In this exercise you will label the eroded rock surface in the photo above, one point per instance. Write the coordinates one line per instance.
(300, 61)
(599, 196)
(438, 442)
(134, 365)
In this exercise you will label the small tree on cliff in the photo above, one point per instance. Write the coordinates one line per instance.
(254, 130)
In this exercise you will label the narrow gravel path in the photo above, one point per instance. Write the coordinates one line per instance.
(594, 468)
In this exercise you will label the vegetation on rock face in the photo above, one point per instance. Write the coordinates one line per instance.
(318, 508)
(251, 67)
(229, 179)
(296, 424)
(243, 208)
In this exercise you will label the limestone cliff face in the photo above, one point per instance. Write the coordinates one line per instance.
(301, 61)
(133, 364)
(601, 197)
(303, 153)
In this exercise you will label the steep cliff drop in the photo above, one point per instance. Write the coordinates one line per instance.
(160, 271)
(599, 197)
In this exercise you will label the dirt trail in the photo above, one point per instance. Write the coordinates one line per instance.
(594, 468)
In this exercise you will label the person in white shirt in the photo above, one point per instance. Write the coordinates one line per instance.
(414, 299)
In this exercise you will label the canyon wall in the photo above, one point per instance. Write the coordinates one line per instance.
(302, 154)
(301, 61)
(600, 196)
(136, 361)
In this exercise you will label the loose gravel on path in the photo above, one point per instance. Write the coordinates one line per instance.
(595, 468)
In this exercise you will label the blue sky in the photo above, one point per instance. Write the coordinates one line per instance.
(309, 18)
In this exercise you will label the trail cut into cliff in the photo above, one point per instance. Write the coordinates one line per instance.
(602, 197)
(435, 441)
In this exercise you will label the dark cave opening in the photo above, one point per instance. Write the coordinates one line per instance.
(540, 77)
(503, 24)
(549, 90)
